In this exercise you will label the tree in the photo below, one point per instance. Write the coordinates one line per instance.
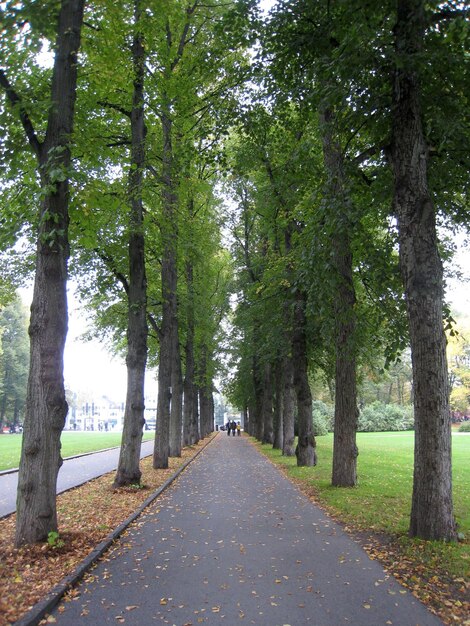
(128, 470)
(432, 510)
(46, 406)
(14, 362)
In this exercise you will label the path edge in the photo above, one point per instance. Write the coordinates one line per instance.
(52, 599)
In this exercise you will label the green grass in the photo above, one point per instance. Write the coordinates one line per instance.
(382, 499)
(72, 443)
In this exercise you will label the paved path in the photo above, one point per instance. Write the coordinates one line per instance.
(233, 542)
(74, 471)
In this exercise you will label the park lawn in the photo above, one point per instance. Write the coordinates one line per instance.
(381, 501)
(73, 442)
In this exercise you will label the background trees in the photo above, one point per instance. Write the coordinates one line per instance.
(14, 363)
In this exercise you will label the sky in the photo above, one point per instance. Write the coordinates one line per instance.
(89, 367)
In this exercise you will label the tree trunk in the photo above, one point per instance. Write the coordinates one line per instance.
(205, 402)
(432, 509)
(305, 450)
(346, 411)
(250, 423)
(176, 413)
(190, 421)
(345, 450)
(190, 392)
(256, 421)
(169, 326)
(278, 406)
(46, 407)
(245, 418)
(288, 409)
(128, 471)
(267, 406)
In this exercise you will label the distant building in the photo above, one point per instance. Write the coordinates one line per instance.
(104, 414)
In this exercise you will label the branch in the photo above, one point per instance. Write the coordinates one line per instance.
(360, 158)
(183, 39)
(154, 172)
(154, 325)
(15, 101)
(109, 262)
(115, 107)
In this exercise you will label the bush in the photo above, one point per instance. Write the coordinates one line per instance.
(322, 416)
(379, 417)
(464, 428)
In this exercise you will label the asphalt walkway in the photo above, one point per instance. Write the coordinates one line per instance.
(234, 542)
(74, 471)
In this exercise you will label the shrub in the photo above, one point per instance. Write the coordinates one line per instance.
(379, 417)
(322, 417)
(464, 428)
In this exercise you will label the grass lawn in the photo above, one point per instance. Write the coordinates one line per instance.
(382, 499)
(72, 443)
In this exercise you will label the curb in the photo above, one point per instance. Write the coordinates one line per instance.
(45, 606)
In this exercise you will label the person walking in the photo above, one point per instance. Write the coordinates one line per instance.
(239, 429)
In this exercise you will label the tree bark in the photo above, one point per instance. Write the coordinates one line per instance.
(267, 405)
(345, 450)
(190, 407)
(190, 392)
(288, 410)
(432, 509)
(305, 450)
(176, 413)
(278, 396)
(256, 420)
(205, 402)
(46, 406)
(128, 471)
(169, 326)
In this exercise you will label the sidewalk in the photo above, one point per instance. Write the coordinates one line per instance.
(74, 471)
(234, 542)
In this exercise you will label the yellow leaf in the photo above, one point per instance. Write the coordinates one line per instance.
(163, 601)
